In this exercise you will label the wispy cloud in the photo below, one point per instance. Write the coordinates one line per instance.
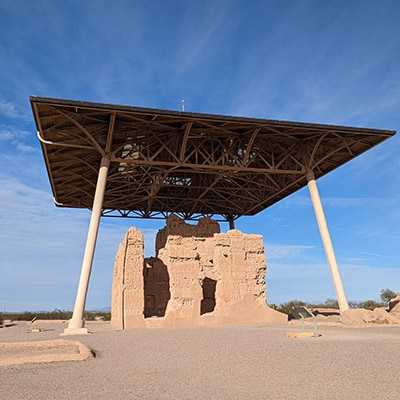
(285, 251)
(313, 282)
(52, 242)
(301, 200)
(12, 110)
(202, 33)
(8, 109)
(17, 138)
(306, 282)
(365, 281)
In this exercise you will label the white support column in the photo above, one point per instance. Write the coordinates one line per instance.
(326, 240)
(76, 323)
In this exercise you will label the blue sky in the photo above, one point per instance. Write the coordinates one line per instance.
(335, 62)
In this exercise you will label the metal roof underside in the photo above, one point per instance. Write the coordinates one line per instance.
(185, 163)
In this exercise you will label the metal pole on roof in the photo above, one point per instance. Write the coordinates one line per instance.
(326, 240)
(231, 222)
(76, 323)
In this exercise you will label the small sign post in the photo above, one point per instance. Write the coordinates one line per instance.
(303, 313)
(31, 328)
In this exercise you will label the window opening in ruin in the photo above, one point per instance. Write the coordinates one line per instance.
(156, 288)
(207, 304)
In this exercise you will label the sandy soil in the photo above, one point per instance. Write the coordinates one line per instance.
(252, 361)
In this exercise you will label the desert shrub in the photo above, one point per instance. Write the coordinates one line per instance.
(53, 315)
(91, 316)
(331, 303)
(370, 304)
(287, 308)
(355, 304)
(387, 295)
(29, 315)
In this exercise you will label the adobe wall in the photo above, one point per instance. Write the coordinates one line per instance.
(199, 276)
(128, 284)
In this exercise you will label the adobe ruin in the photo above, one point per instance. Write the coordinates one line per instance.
(199, 276)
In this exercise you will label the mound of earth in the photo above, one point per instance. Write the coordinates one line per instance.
(43, 352)
(361, 317)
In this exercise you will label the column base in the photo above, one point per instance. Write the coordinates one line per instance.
(74, 331)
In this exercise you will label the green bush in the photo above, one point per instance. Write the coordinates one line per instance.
(331, 303)
(53, 315)
(370, 304)
(287, 308)
(91, 316)
(387, 295)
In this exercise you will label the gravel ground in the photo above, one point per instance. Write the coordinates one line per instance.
(254, 361)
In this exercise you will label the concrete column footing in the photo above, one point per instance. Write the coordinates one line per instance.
(74, 331)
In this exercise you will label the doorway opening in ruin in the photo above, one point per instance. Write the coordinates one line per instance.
(208, 302)
(156, 288)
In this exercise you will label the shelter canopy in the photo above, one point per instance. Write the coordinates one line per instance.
(191, 164)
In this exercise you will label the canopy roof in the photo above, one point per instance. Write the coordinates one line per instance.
(190, 164)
